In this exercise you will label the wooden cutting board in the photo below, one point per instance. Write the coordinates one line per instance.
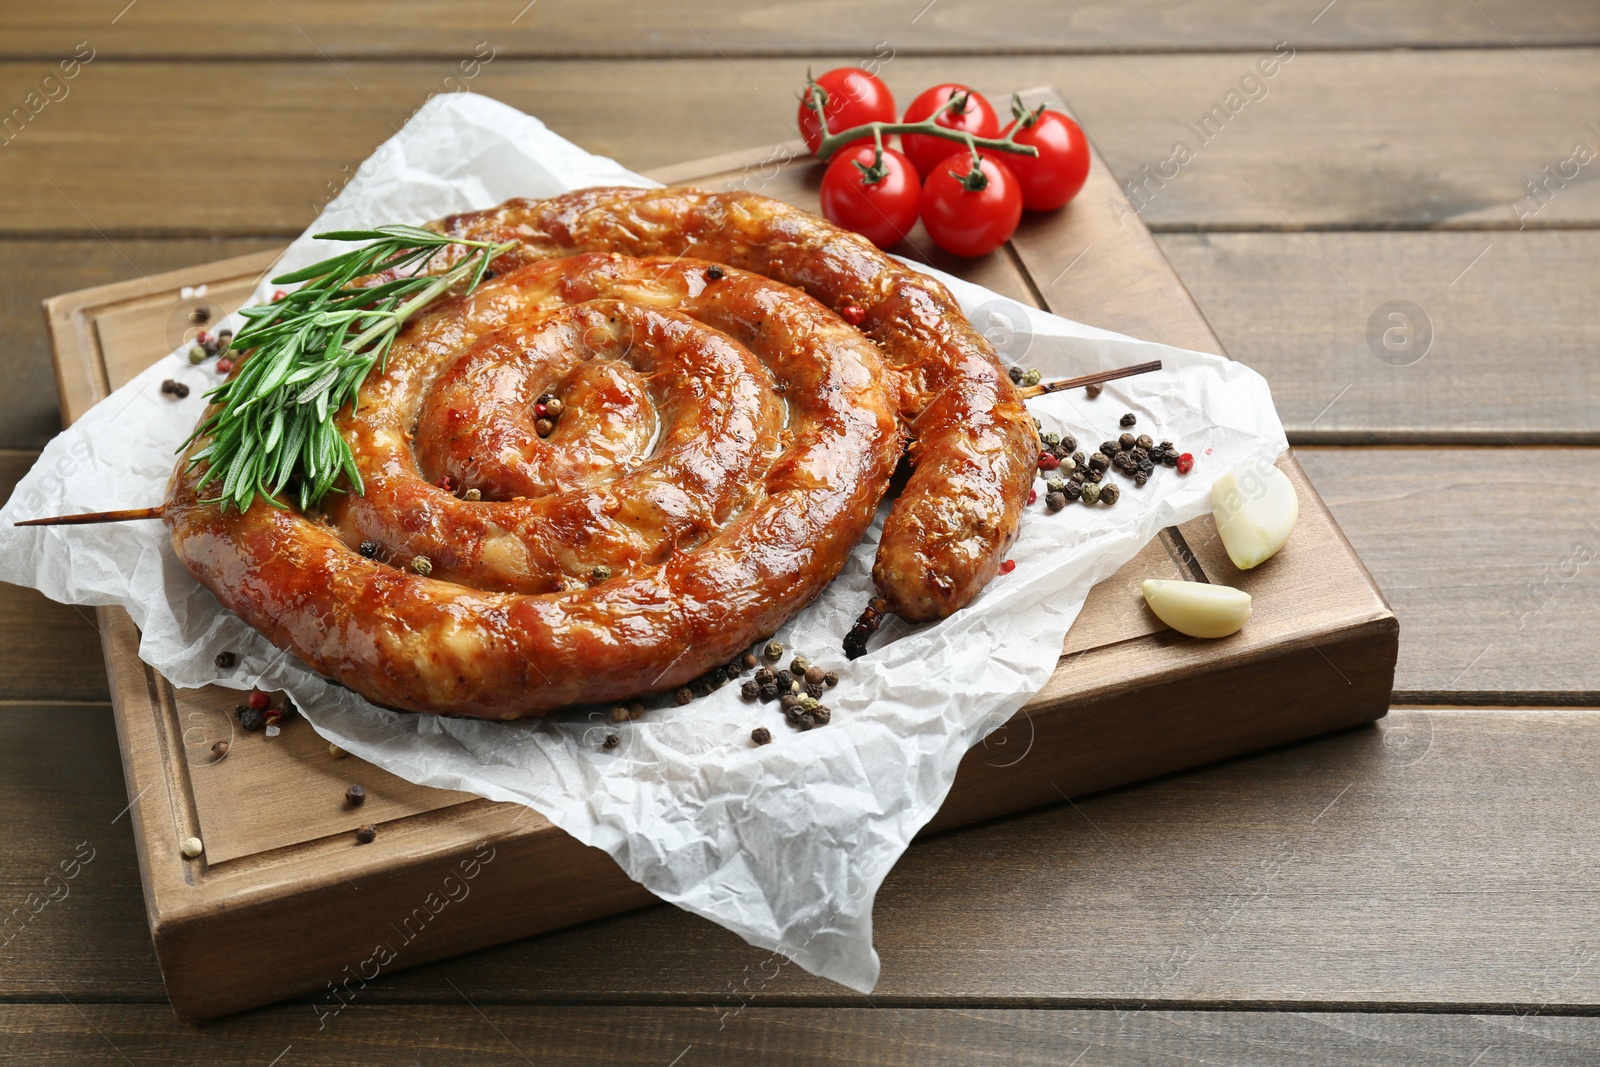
(283, 902)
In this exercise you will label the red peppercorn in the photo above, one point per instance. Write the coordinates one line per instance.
(1033, 494)
(224, 366)
(1185, 463)
(277, 295)
(445, 483)
(852, 314)
(202, 338)
(258, 699)
(541, 410)
(1008, 566)
(1048, 461)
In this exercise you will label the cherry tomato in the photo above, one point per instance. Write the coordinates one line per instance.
(966, 221)
(883, 211)
(976, 118)
(1055, 175)
(855, 96)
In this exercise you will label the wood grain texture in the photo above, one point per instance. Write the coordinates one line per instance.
(1490, 610)
(706, 28)
(1438, 859)
(50, 651)
(84, 1035)
(1410, 151)
(1512, 352)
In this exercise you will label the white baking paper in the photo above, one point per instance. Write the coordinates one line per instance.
(784, 844)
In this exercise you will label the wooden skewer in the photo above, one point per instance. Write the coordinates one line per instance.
(89, 517)
(1031, 391)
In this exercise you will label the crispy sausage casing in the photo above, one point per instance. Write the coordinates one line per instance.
(724, 441)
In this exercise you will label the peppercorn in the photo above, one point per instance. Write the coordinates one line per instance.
(1093, 475)
(799, 665)
(853, 314)
(197, 354)
(822, 716)
(773, 651)
(761, 735)
(289, 712)
(1127, 420)
(554, 407)
(1061, 452)
(1055, 485)
(224, 365)
(635, 711)
(769, 691)
(1185, 463)
(1050, 439)
(713, 273)
(192, 847)
(1078, 459)
(220, 749)
(792, 716)
(366, 835)
(611, 742)
(259, 700)
(809, 703)
(422, 565)
(1015, 374)
(368, 549)
(225, 661)
(1144, 441)
(1033, 494)
(1091, 493)
(764, 675)
(1169, 458)
(336, 752)
(600, 574)
(1068, 465)
(1069, 442)
(1109, 493)
(356, 795)
(473, 495)
(1056, 501)
(1092, 391)
(1140, 478)
(249, 717)
(830, 679)
(750, 690)
(1007, 566)
(543, 427)
(1032, 376)
(199, 315)
(1125, 442)
(747, 660)
(813, 689)
(1145, 466)
(174, 389)
(815, 674)
(1099, 461)
(1048, 461)
(789, 700)
(1077, 476)
(1109, 448)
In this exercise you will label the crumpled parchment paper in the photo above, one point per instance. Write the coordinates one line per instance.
(784, 844)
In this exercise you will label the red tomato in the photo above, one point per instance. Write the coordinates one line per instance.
(966, 221)
(1055, 175)
(854, 96)
(882, 211)
(977, 118)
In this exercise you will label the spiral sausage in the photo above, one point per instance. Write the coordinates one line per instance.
(724, 444)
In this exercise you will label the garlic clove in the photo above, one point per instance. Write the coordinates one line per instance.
(1197, 608)
(1256, 509)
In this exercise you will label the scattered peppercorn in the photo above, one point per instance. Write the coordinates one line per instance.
(366, 835)
(1091, 493)
(747, 660)
(258, 699)
(1073, 490)
(220, 749)
(1140, 478)
(785, 680)
(225, 661)
(368, 549)
(750, 690)
(683, 696)
(713, 273)
(249, 717)
(175, 389)
(1008, 566)
(789, 700)
(815, 675)
(200, 315)
(761, 735)
(822, 716)
(600, 574)
(192, 847)
(619, 713)
(1099, 461)
(422, 565)
(1055, 485)
(1127, 420)
(1109, 448)
(1109, 493)
(853, 314)
(1069, 442)
(1078, 459)
(1144, 441)
(336, 752)
(769, 691)
(799, 665)
(1068, 465)
(830, 679)
(611, 742)
(544, 427)
(813, 689)
(1185, 463)
(224, 365)
(809, 703)
(1094, 474)
(635, 711)
(1015, 374)
(764, 675)
(1056, 501)
(773, 651)
(1048, 461)
(356, 794)
(554, 407)
(1050, 439)
(1033, 494)
(1092, 391)
(473, 495)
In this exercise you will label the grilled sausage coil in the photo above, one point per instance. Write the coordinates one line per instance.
(724, 441)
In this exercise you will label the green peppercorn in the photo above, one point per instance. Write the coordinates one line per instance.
(1109, 493)
(1056, 501)
(473, 495)
(799, 665)
(600, 573)
(1050, 439)
(197, 354)
(773, 651)
(1032, 376)
(1055, 485)
(1091, 493)
(422, 565)
(809, 703)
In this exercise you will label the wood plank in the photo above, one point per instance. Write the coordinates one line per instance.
(35, 269)
(1408, 154)
(52, 651)
(558, 28)
(1388, 867)
(1511, 356)
(82, 1035)
(1492, 609)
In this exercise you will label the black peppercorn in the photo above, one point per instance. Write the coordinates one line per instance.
(1100, 461)
(369, 549)
(761, 735)
(220, 749)
(821, 715)
(1108, 449)
(1144, 441)
(1070, 441)
(1169, 458)
(611, 742)
(769, 691)
(813, 689)
(713, 273)
(1167, 446)
(1092, 391)
(764, 675)
(1073, 490)
(1140, 478)
(366, 835)
(788, 700)
(288, 713)
(1055, 501)
(785, 680)
(1015, 374)
(683, 696)
(1145, 466)
(750, 690)
(1109, 493)
(1127, 420)
(1062, 452)
(174, 389)
(1126, 441)
(249, 718)
(225, 661)
(1079, 459)
(356, 795)
(830, 679)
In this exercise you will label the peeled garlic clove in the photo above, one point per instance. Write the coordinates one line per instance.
(1256, 509)
(1196, 608)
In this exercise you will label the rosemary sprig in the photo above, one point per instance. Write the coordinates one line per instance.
(312, 350)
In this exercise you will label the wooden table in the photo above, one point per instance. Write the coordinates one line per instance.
(1420, 892)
